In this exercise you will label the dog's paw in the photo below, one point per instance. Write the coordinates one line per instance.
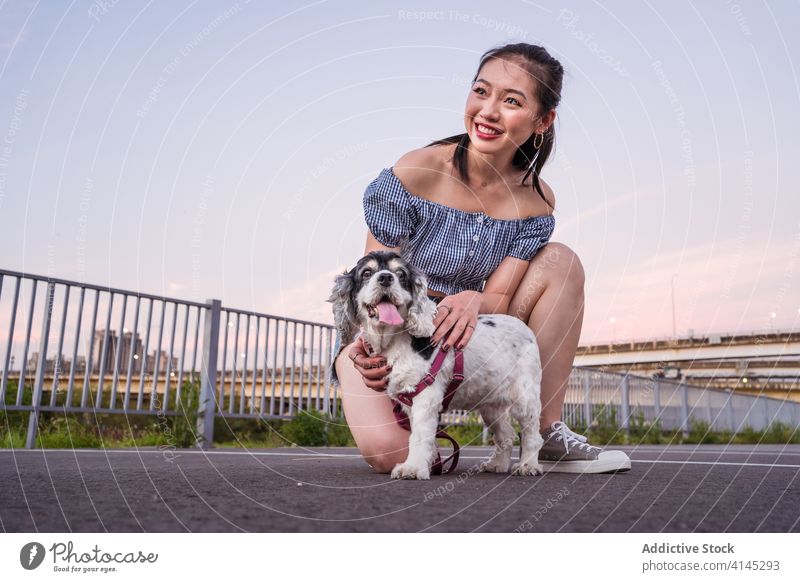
(527, 469)
(410, 471)
(495, 465)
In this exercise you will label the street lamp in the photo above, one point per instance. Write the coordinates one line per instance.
(672, 285)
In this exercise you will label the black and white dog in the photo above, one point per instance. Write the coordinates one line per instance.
(387, 298)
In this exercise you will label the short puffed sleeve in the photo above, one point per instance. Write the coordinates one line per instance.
(388, 211)
(532, 235)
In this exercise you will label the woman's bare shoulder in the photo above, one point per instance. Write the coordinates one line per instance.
(539, 206)
(548, 192)
(421, 169)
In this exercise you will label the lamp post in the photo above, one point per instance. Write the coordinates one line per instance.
(672, 285)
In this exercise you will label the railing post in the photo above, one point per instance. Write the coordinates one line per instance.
(729, 405)
(685, 409)
(587, 397)
(626, 407)
(33, 418)
(208, 375)
(328, 399)
(656, 401)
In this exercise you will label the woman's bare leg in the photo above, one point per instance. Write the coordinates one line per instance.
(382, 442)
(550, 300)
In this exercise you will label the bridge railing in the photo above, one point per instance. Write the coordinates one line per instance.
(105, 350)
(674, 405)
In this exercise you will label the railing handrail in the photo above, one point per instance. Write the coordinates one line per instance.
(95, 287)
(164, 298)
(590, 369)
(276, 317)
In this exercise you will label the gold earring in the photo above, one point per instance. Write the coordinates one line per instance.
(536, 147)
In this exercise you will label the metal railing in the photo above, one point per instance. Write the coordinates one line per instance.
(106, 350)
(673, 405)
(135, 353)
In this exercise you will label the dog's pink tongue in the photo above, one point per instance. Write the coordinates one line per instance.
(387, 313)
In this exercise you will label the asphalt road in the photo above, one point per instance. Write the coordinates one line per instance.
(742, 488)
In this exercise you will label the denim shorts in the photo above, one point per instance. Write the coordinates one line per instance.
(337, 347)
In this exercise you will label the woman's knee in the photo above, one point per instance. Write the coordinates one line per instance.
(555, 266)
(563, 263)
(383, 456)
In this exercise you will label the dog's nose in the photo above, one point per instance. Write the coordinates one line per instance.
(385, 279)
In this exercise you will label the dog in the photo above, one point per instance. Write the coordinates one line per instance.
(387, 298)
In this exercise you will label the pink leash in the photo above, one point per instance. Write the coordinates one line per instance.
(408, 397)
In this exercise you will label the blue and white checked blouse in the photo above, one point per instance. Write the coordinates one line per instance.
(457, 250)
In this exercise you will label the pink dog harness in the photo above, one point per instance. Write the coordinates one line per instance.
(408, 397)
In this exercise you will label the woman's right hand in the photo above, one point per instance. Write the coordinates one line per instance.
(374, 369)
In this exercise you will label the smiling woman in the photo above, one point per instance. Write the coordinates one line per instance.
(460, 211)
(514, 96)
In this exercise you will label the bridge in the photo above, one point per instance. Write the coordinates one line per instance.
(759, 363)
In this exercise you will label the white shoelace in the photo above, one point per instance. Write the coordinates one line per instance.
(569, 438)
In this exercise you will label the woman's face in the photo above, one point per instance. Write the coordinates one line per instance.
(502, 97)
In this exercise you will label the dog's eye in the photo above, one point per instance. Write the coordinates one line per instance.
(366, 274)
(401, 275)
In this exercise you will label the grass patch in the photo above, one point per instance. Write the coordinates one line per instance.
(642, 431)
(466, 435)
(309, 428)
(605, 429)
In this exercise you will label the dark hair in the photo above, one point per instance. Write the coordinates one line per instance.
(548, 74)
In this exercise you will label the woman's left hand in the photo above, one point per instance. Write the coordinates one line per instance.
(456, 318)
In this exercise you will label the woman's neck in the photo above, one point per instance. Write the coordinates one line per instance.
(486, 169)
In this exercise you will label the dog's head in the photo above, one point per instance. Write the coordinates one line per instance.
(383, 293)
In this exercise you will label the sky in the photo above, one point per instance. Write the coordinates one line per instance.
(221, 150)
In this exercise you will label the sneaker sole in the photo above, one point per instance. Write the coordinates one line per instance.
(607, 462)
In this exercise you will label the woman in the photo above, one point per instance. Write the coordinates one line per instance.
(465, 214)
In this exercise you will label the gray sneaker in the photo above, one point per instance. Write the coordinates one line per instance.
(564, 451)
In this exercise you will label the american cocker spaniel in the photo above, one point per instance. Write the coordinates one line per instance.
(386, 298)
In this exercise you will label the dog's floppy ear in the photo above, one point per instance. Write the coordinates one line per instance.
(419, 322)
(403, 247)
(344, 308)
